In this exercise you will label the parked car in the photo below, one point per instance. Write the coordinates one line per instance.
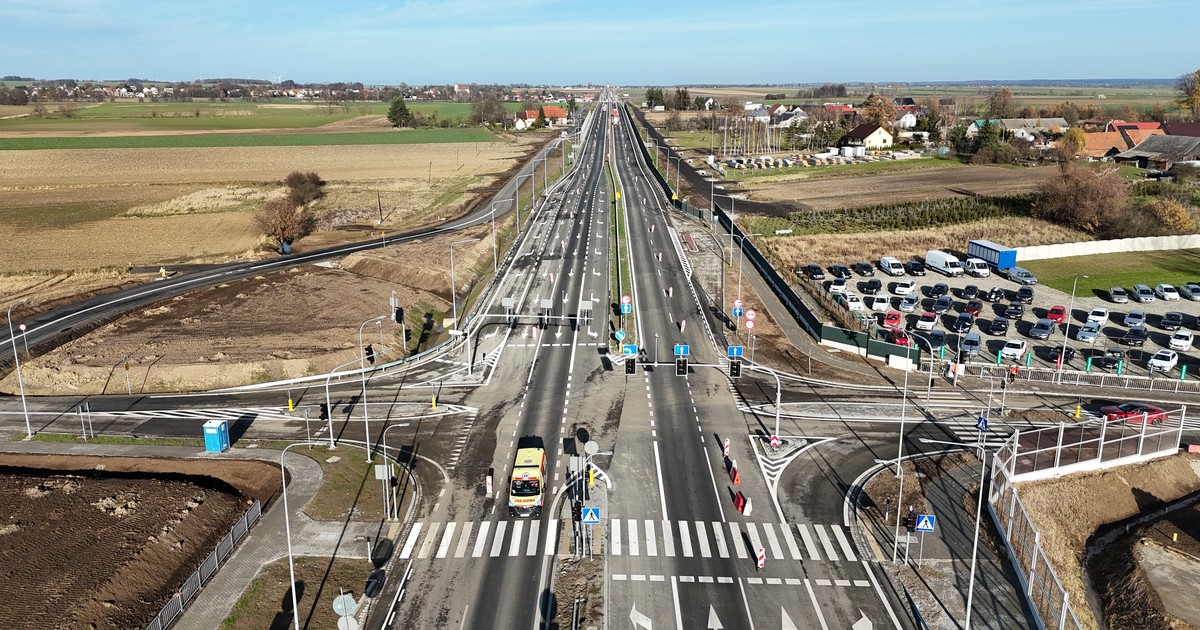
(891, 266)
(942, 304)
(1021, 275)
(1135, 337)
(1142, 293)
(915, 268)
(935, 340)
(872, 286)
(877, 303)
(1181, 341)
(908, 303)
(1057, 351)
(1190, 291)
(926, 321)
(813, 272)
(1166, 292)
(971, 344)
(994, 294)
(939, 289)
(1171, 320)
(998, 327)
(864, 268)
(1013, 349)
(962, 323)
(1014, 310)
(974, 307)
(1136, 317)
(1042, 329)
(1134, 411)
(1088, 333)
(1117, 295)
(969, 292)
(838, 285)
(1163, 361)
(1057, 314)
(1110, 358)
(899, 337)
(892, 319)
(839, 271)
(1025, 295)
(374, 583)
(852, 302)
(1098, 314)
(904, 287)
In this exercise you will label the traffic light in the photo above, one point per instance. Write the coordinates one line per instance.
(681, 367)
(577, 511)
(630, 366)
(910, 522)
(735, 368)
(324, 411)
(370, 351)
(398, 315)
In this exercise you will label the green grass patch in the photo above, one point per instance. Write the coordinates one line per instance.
(620, 276)
(349, 484)
(407, 136)
(111, 439)
(1176, 267)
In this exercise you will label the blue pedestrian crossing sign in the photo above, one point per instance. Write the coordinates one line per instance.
(629, 349)
(591, 516)
(981, 424)
(681, 349)
(926, 522)
(735, 351)
(626, 309)
(737, 311)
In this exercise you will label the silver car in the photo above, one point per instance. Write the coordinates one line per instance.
(1118, 295)
(1143, 293)
(1088, 332)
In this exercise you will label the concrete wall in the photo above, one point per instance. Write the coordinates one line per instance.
(1148, 243)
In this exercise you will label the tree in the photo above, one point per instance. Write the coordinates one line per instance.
(681, 99)
(303, 188)
(655, 97)
(1188, 89)
(673, 123)
(541, 119)
(1175, 217)
(398, 113)
(284, 223)
(572, 106)
(487, 110)
(1000, 103)
(1070, 144)
(879, 110)
(1084, 199)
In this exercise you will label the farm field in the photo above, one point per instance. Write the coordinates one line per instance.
(197, 140)
(1176, 267)
(1141, 96)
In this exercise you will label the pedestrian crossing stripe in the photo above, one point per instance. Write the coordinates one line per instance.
(632, 537)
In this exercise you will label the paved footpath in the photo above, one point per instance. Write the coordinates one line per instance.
(266, 541)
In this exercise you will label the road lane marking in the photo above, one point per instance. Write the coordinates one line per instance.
(685, 540)
(498, 540)
(668, 540)
(808, 542)
(746, 603)
(651, 544)
(406, 552)
(662, 495)
(618, 577)
(816, 607)
(847, 550)
(776, 550)
(551, 536)
(531, 549)
(790, 540)
(464, 537)
(675, 598)
(825, 542)
(719, 534)
(633, 537)
(702, 538)
(514, 544)
(481, 539)
(614, 545)
(427, 544)
(447, 538)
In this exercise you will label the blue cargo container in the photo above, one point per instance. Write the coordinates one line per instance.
(994, 254)
(216, 436)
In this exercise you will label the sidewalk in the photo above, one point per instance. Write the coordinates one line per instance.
(938, 587)
(264, 543)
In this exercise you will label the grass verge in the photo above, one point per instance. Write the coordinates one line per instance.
(109, 439)
(267, 603)
(349, 488)
(1125, 269)
(619, 274)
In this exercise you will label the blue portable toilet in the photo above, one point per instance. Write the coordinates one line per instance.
(216, 436)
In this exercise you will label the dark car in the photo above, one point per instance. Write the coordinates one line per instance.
(813, 272)
(934, 340)
(1135, 337)
(839, 271)
(1025, 295)
(994, 294)
(1171, 321)
(864, 268)
(1110, 358)
(872, 286)
(1057, 351)
(915, 268)
(962, 323)
(374, 583)
(942, 304)
(938, 290)
(1014, 310)
(974, 307)
(999, 326)
(969, 292)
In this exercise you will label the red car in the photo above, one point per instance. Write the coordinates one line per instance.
(892, 319)
(900, 338)
(974, 307)
(1057, 314)
(1134, 412)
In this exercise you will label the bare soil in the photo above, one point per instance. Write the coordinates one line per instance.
(87, 544)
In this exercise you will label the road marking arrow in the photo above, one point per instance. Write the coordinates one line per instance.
(638, 619)
(862, 624)
(713, 622)
(788, 624)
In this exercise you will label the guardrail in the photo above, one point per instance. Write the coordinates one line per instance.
(191, 586)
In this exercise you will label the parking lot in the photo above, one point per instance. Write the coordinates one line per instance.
(1044, 351)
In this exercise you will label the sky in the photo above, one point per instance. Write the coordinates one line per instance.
(618, 42)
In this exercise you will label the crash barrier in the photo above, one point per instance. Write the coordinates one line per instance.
(208, 568)
(1056, 451)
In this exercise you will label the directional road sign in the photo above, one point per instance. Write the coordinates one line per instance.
(626, 299)
(591, 516)
(735, 351)
(926, 522)
(751, 313)
(681, 350)
(626, 309)
(620, 335)
(737, 311)
(629, 349)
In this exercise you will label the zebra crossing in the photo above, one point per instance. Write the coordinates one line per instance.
(631, 537)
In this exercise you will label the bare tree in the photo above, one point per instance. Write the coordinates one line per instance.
(284, 222)
(1084, 199)
(1188, 89)
(1000, 103)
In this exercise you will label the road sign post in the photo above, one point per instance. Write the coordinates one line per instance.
(927, 523)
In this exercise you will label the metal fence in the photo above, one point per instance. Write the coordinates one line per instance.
(1060, 450)
(1076, 377)
(191, 586)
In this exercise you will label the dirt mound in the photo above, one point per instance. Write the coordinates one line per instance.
(373, 121)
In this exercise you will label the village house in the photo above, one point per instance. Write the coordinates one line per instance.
(1161, 152)
(867, 135)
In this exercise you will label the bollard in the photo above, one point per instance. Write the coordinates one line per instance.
(1078, 410)
(746, 508)
(735, 476)
(291, 405)
(727, 447)
(762, 557)
(739, 501)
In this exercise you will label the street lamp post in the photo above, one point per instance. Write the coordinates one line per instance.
(287, 527)
(17, 363)
(742, 246)
(362, 357)
(517, 199)
(1062, 358)
(328, 405)
(732, 207)
(453, 294)
(495, 244)
(900, 465)
(391, 513)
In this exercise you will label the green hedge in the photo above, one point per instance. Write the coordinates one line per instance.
(898, 216)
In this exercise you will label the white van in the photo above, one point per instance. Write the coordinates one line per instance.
(943, 262)
(976, 267)
(891, 266)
